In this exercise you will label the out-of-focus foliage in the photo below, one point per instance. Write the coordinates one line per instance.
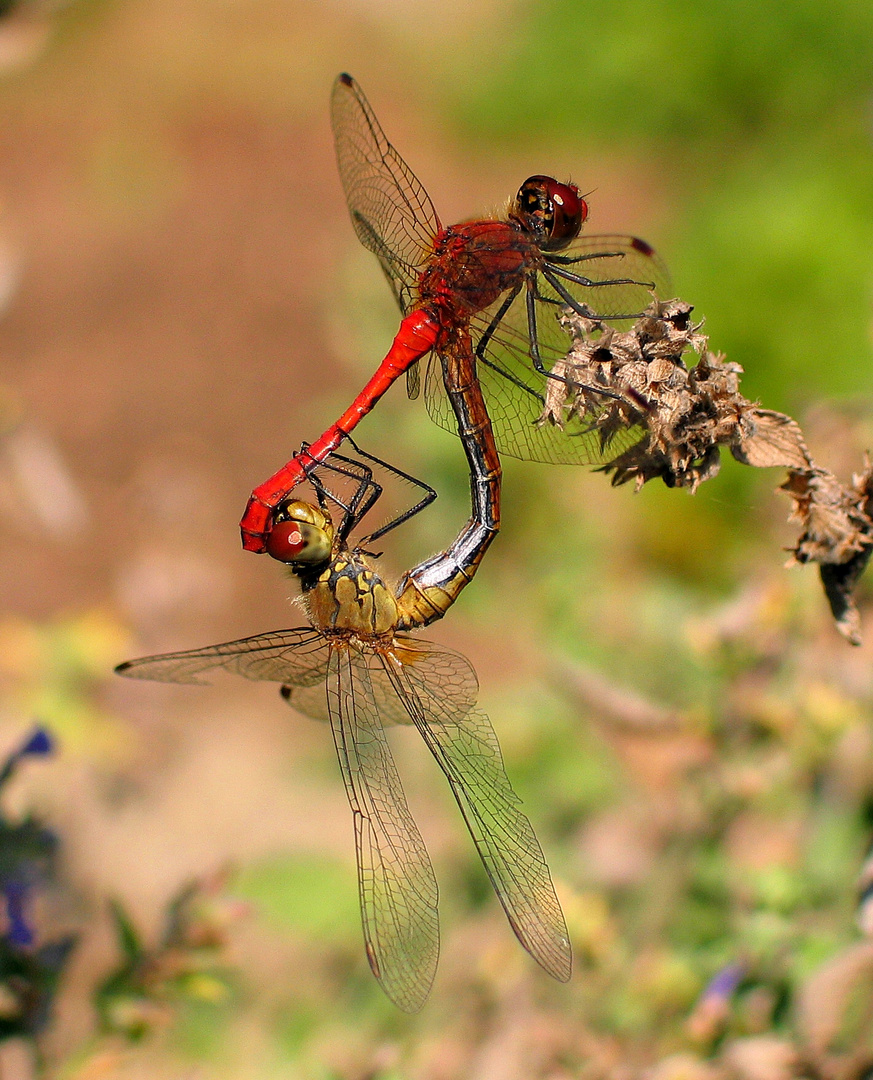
(756, 118)
(53, 669)
(152, 985)
(705, 836)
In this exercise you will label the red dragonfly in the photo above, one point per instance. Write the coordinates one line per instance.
(481, 296)
(357, 667)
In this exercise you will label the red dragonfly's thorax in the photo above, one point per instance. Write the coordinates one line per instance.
(472, 265)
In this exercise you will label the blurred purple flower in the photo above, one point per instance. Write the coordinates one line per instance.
(710, 1015)
(27, 849)
(725, 982)
(19, 931)
(38, 743)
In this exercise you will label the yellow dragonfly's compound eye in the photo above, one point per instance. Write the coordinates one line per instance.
(303, 537)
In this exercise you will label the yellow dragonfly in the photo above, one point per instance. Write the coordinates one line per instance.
(357, 667)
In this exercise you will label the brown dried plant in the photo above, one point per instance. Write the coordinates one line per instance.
(686, 414)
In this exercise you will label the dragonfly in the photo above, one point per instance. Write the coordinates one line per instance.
(358, 667)
(481, 298)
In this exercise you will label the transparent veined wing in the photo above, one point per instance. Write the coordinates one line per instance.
(623, 272)
(514, 390)
(453, 672)
(391, 212)
(297, 656)
(465, 746)
(311, 701)
(398, 891)
(397, 887)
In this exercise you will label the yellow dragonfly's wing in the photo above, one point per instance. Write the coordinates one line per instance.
(436, 690)
(397, 887)
(296, 656)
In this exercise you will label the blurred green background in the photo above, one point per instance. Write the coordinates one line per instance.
(186, 302)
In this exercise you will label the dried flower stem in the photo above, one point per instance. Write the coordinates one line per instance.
(685, 415)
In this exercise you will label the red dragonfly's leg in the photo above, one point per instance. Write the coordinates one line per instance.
(416, 337)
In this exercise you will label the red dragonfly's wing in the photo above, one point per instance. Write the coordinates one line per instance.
(437, 688)
(391, 212)
(395, 878)
(514, 390)
(299, 656)
(604, 260)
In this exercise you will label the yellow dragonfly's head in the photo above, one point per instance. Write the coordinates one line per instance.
(302, 535)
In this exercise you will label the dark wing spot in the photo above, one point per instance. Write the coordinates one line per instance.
(374, 963)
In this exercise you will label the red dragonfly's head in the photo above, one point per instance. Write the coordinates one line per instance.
(551, 211)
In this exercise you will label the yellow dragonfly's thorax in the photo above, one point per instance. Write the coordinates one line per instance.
(349, 595)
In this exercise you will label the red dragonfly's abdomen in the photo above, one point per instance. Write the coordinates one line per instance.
(472, 265)
(417, 335)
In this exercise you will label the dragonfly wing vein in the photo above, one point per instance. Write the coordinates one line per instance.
(297, 656)
(398, 890)
(391, 211)
(466, 748)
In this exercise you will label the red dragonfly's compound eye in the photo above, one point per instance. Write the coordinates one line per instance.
(571, 211)
(552, 211)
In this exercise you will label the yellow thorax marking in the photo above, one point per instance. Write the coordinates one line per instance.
(349, 595)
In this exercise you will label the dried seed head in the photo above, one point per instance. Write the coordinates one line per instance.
(686, 414)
